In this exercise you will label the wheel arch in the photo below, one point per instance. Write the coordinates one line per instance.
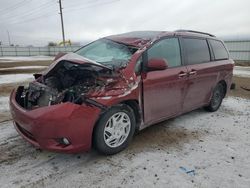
(224, 84)
(134, 105)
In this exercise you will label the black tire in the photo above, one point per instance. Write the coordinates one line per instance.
(98, 136)
(216, 100)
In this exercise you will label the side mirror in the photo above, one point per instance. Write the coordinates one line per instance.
(155, 64)
(60, 54)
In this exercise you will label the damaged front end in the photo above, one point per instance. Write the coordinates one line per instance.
(66, 82)
(66, 101)
(65, 95)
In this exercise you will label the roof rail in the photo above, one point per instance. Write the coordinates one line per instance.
(191, 31)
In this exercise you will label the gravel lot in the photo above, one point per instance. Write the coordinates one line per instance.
(197, 149)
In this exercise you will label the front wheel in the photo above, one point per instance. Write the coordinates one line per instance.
(114, 130)
(216, 100)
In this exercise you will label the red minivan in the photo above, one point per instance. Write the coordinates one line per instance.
(104, 92)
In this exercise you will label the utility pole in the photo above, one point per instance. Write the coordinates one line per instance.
(61, 14)
(9, 37)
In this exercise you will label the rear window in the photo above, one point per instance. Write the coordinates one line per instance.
(196, 50)
(219, 50)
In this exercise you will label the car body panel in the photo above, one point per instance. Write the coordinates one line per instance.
(139, 39)
(41, 127)
(202, 82)
(196, 94)
(161, 89)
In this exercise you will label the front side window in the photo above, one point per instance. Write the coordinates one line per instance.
(196, 51)
(107, 52)
(167, 49)
(219, 50)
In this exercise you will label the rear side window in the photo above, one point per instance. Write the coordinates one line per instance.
(219, 50)
(196, 50)
(167, 49)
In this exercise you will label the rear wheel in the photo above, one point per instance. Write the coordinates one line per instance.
(114, 130)
(216, 100)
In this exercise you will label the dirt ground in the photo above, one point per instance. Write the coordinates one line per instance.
(24, 63)
(241, 82)
(214, 145)
(242, 63)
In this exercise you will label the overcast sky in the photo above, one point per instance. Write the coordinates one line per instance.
(36, 22)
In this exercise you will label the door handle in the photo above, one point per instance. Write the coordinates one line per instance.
(192, 72)
(182, 74)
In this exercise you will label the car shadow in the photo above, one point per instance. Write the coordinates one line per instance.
(168, 134)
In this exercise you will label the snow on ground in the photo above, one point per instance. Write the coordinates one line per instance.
(26, 58)
(4, 104)
(241, 71)
(23, 68)
(13, 78)
(214, 145)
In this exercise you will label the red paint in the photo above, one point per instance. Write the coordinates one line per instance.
(160, 94)
(72, 121)
(157, 64)
(163, 94)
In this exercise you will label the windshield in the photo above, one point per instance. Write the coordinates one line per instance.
(107, 52)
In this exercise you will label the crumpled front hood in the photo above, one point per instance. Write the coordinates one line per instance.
(75, 58)
(116, 82)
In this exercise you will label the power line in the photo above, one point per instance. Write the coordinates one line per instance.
(14, 7)
(77, 4)
(46, 15)
(10, 7)
(94, 5)
(36, 18)
(41, 7)
(34, 11)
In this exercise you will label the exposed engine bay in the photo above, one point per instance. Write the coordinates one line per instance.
(66, 82)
